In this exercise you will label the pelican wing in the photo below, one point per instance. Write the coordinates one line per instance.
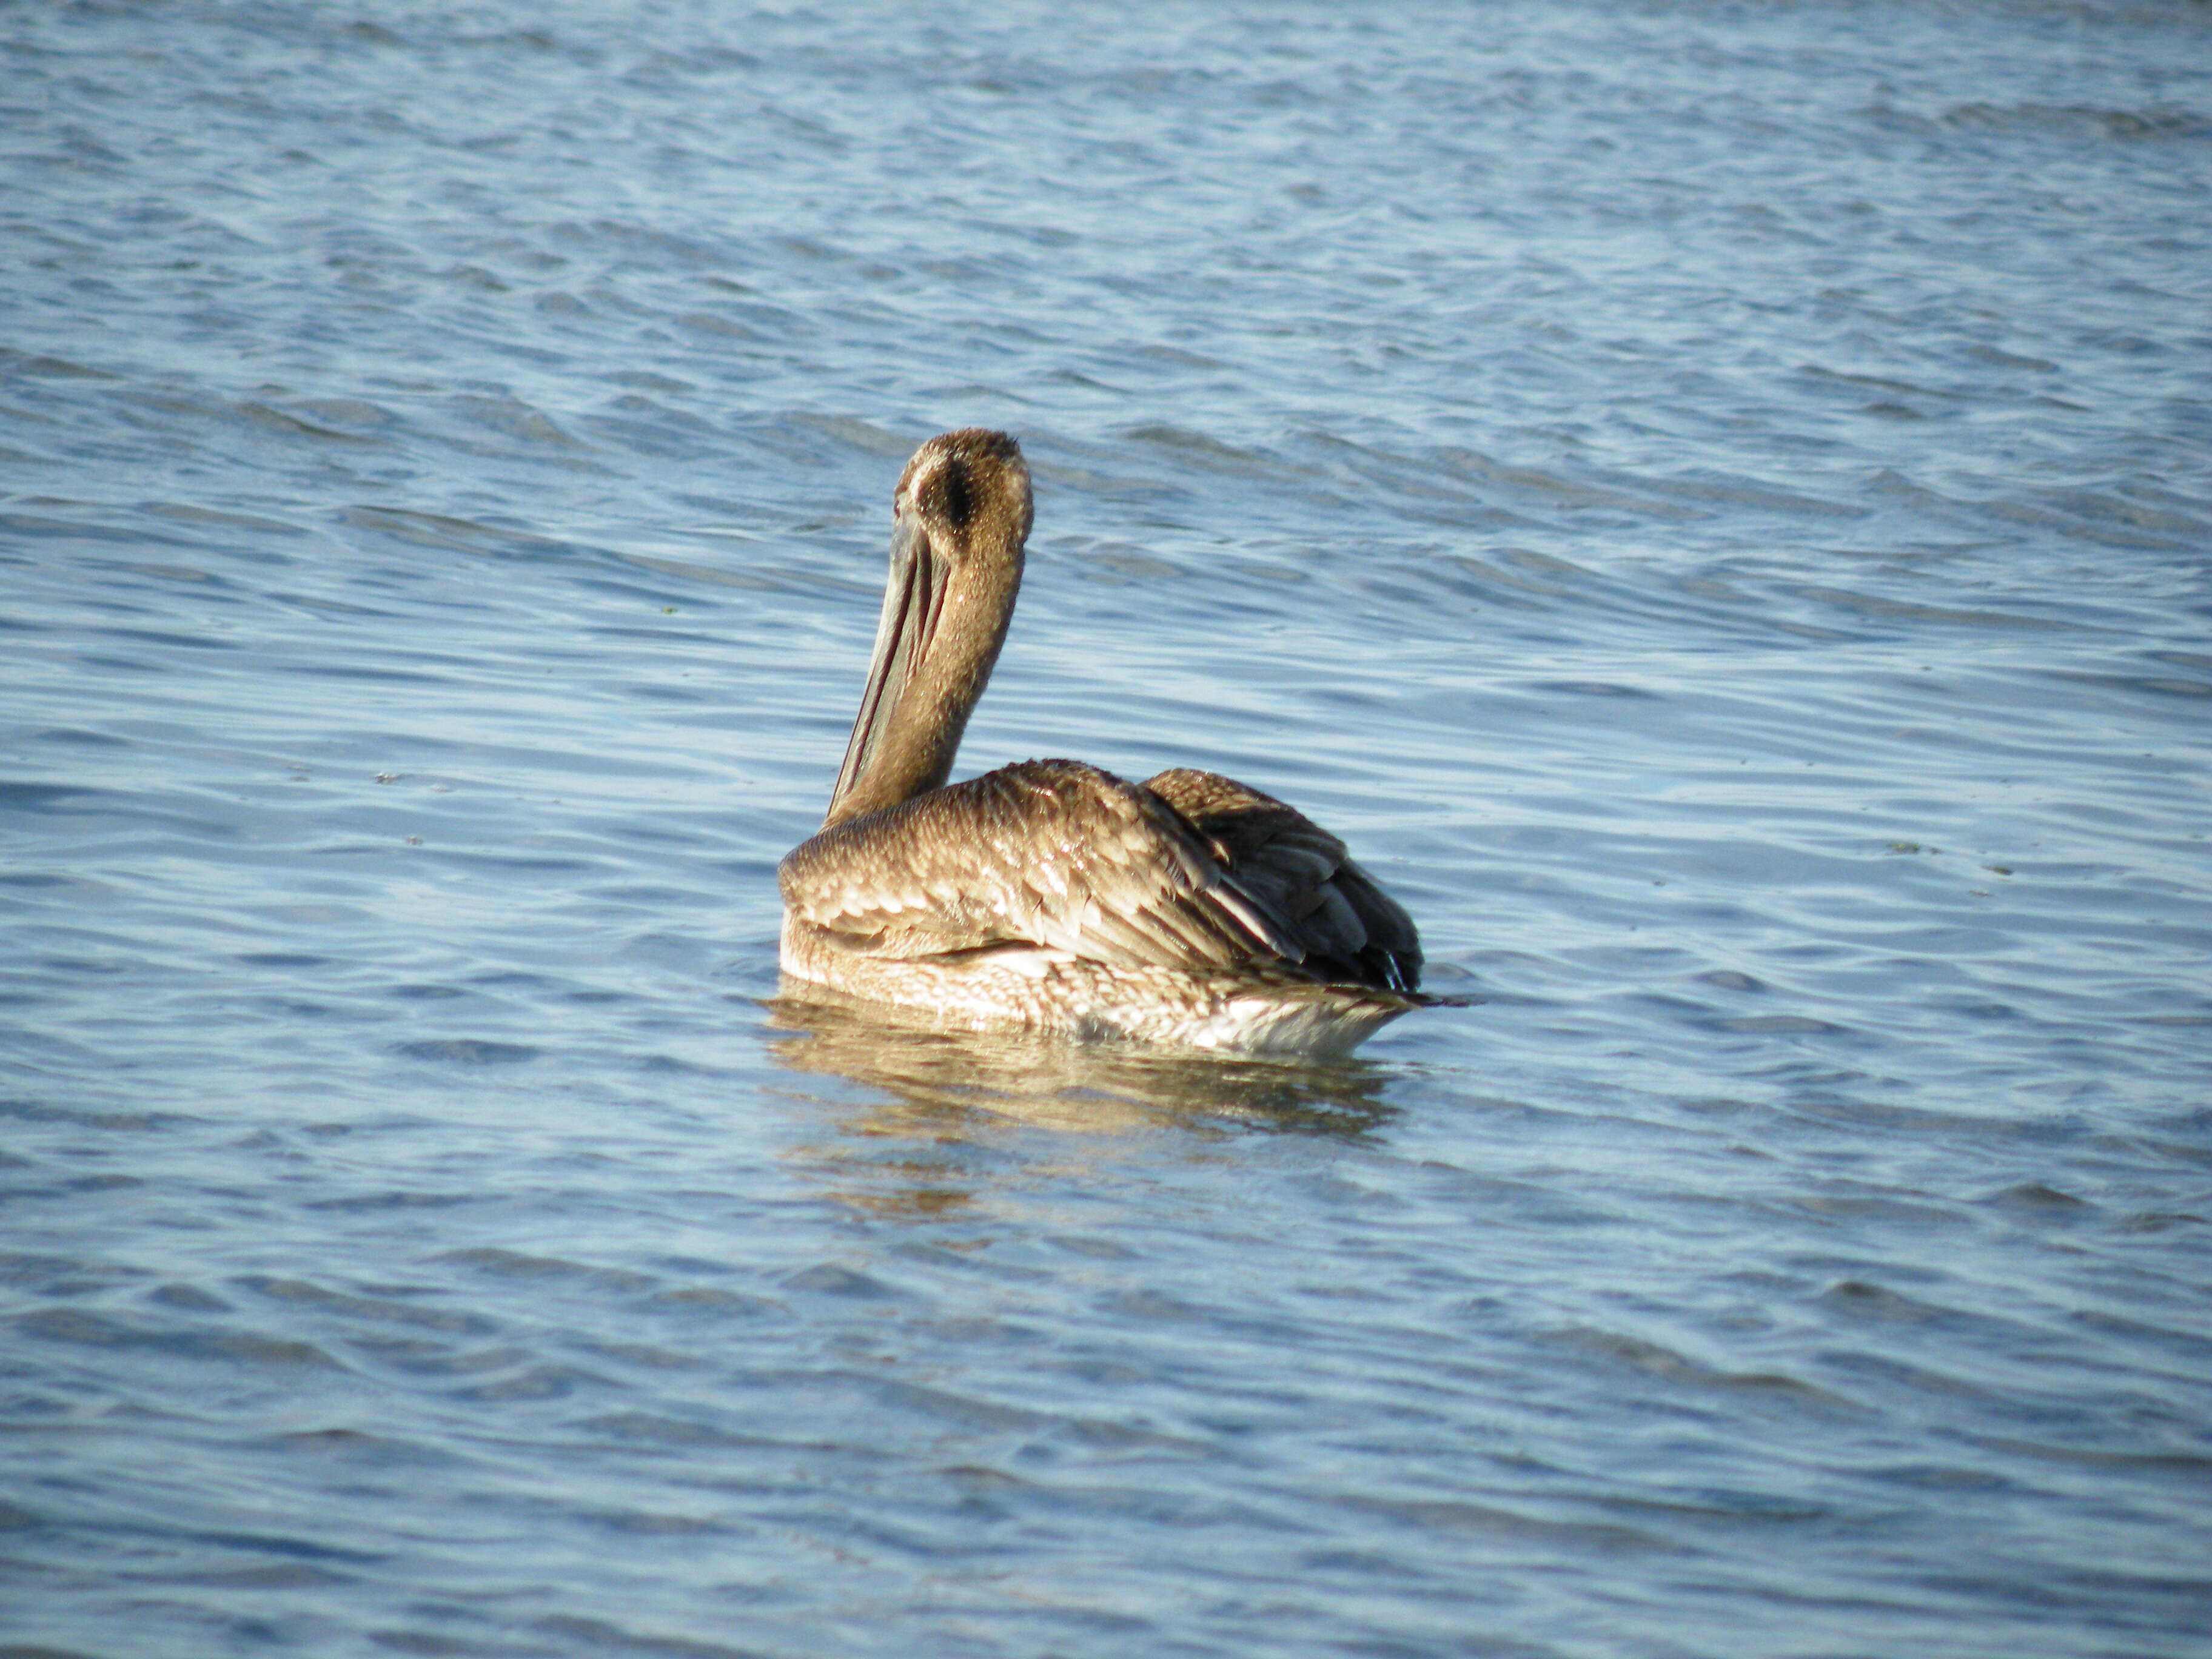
(1052, 854)
(1346, 926)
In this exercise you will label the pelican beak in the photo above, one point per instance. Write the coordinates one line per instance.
(912, 600)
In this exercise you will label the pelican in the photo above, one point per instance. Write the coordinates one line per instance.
(1050, 895)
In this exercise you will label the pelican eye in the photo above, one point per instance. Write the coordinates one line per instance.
(946, 493)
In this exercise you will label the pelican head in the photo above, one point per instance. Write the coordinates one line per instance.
(960, 517)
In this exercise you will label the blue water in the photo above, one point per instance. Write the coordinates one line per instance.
(1713, 502)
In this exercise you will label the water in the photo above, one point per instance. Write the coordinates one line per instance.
(1711, 501)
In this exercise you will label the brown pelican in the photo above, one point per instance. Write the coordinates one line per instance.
(1050, 894)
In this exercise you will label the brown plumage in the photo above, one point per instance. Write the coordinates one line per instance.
(1050, 893)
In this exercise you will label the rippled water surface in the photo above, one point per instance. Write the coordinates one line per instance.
(1712, 501)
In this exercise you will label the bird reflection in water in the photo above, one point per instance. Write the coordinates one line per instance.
(945, 1089)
